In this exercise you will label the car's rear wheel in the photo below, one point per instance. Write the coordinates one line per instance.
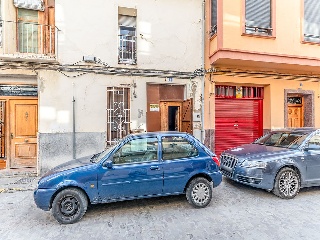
(69, 206)
(199, 192)
(287, 183)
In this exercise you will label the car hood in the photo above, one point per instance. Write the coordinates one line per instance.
(84, 161)
(253, 151)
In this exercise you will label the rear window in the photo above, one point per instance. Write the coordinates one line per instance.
(175, 147)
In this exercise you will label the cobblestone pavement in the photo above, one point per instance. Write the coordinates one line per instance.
(236, 212)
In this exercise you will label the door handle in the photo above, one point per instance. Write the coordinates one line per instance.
(11, 135)
(154, 168)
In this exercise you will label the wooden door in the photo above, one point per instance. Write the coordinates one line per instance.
(295, 116)
(23, 133)
(170, 113)
(186, 118)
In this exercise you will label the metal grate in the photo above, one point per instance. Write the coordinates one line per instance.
(118, 114)
(227, 164)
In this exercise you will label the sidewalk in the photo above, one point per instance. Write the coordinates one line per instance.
(14, 180)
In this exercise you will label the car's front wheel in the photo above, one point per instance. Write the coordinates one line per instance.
(199, 192)
(287, 183)
(69, 206)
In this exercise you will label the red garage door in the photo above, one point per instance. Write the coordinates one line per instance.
(237, 121)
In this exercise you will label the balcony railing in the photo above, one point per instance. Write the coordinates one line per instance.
(28, 40)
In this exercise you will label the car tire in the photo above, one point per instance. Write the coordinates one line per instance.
(287, 183)
(69, 206)
(199, 192)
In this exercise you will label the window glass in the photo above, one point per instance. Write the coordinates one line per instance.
(314, 142)
(137, 151)
(271, 139)
(312, 20)
(28, 31)
(282, 139)
(258, 17)
(127, 39)
(213, 29)
(292, 140)
(177, 148)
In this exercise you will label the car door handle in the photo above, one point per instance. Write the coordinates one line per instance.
(154, 168)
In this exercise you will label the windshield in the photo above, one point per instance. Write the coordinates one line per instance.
(283, 139)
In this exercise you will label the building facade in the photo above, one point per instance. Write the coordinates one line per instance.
(75, 80)
(262, 68)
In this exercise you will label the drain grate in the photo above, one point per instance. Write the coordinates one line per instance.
(24, 181)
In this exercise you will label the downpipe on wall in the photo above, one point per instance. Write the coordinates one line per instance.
(203, 67)
(73, 125)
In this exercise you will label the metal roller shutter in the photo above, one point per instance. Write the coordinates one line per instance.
(237, 122)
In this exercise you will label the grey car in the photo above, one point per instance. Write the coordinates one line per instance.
(281, 161)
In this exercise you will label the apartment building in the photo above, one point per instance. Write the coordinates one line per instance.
(77, 76)
(262, 68)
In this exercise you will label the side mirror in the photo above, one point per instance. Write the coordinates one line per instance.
(108, 164)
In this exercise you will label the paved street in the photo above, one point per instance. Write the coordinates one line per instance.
(236, 212)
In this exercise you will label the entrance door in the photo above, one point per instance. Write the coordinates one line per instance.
(23, 133)
(170, 116)
(295, 118)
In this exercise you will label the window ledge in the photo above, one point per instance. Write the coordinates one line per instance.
(258, 35)
(310, 43)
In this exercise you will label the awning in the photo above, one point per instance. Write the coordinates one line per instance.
(29, 4)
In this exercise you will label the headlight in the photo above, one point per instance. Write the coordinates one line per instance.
(254, 164)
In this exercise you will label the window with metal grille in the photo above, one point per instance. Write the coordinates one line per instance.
(127, 40)
(238, 92)
(213, 29)
(258, 17)
(118, 114)
(312, 21)
(28, 31)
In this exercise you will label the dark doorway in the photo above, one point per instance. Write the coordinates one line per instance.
(173, 118)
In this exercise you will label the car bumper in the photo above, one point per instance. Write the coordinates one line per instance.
(255, 177)
(216, 178)
(42, 198)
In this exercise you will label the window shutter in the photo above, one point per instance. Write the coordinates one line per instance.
(312, 20)
(213, 17)
(127, 21)
(258, 13)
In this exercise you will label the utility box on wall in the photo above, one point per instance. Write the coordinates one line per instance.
(197, 117)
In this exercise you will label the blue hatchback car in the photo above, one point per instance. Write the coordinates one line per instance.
(141, 166)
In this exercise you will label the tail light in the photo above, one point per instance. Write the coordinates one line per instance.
(216, 160)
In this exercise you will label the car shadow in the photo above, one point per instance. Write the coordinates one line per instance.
(258, 191)
(137, 206)
(245, 188)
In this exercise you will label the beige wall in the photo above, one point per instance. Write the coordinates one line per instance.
(287, 30)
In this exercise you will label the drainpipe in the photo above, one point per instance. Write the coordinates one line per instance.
(203, 67)
(73, 125)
